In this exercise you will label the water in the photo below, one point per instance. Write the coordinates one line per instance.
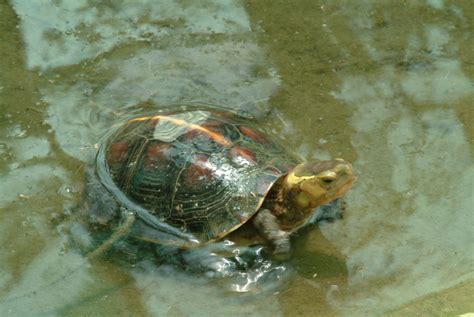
(386, 85)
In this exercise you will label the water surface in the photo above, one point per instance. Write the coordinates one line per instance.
(388, 86)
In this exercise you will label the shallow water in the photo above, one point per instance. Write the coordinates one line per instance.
(387, 85)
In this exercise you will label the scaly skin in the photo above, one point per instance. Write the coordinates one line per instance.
(292, 201)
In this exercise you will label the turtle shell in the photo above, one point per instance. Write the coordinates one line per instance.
(204, 172)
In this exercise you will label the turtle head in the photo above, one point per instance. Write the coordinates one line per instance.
(317, 183)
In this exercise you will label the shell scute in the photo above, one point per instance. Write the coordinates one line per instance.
(117, 152)
(243, 156)
(253, 134)
(200, 171)
(157, 155)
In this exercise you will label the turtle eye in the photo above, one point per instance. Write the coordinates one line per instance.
(328, 177)
(327, 180)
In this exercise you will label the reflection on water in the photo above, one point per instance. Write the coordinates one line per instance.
(52, 279)
(423, 177)
(112, 57)
(67, 32)
(81, 111)
(158, 285)
(392, 80)
(433, 203)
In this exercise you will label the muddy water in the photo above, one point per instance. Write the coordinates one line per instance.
(387, 85)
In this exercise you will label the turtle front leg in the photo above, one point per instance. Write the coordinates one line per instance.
(267, 224)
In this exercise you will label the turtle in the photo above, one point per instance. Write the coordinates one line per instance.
(190, 176)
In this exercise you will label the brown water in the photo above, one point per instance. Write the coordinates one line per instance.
(387, 85)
